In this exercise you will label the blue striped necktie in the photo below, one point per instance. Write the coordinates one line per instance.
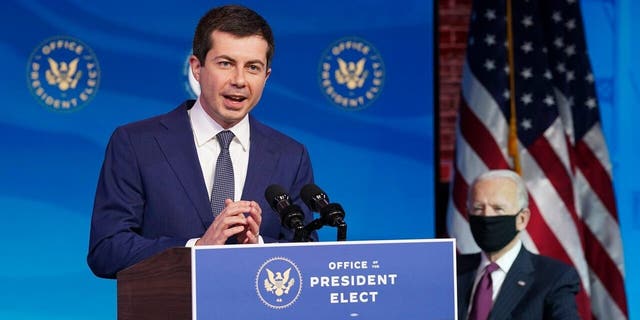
(223, 185)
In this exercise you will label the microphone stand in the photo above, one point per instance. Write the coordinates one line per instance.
(316, 225)
(312, 226)
(342, 231)
(299, 234)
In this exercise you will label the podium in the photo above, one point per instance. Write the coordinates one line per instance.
(395, 279)
(157, 288)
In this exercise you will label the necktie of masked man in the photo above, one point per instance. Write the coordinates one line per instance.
(483, 298)
(223, 185)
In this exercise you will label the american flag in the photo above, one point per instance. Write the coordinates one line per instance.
(534, 54)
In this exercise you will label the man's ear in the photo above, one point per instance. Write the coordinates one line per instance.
(268, 74)
(522, 220)
(194, 63)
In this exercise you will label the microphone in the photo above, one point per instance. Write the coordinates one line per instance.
(318, 201)
(291, 215)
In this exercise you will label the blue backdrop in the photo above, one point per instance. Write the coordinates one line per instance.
(74, 70)
(50, 158)
(614, 48)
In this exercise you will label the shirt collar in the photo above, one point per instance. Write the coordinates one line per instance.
(205, 128)
(506, 260)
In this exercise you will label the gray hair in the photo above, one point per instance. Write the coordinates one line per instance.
(522, 197)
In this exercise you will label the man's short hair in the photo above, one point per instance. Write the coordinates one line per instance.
(522, 197)
(234, 19)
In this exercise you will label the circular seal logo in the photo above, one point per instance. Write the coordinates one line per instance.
(63, 74)
(352, 73)
(191, 85)
(278, 283)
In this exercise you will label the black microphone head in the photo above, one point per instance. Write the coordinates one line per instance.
(332, 214)
(274, 195)
(291, 215)
(313, 197)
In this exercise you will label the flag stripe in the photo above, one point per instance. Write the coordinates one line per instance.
(562, 152)
(548, 162)
(460, 189)
(600, 222)
(602, 266)
(601, 303)
(537, 225)
(596, 175)
(477, 135)
(457, 223)
(555, 215)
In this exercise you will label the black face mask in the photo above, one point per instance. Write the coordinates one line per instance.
(493, 233)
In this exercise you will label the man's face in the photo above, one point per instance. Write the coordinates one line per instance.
(232, 77)
(494, 197)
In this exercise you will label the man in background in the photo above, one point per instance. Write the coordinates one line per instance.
(505, 280)
(197, 175)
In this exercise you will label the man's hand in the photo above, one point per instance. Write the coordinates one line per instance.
(251, 231)
(241, 219)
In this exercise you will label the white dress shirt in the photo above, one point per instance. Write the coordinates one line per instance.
(205, 130)
(497, 277)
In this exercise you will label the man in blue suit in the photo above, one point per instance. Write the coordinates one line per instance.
(518, 284)
(158, 174)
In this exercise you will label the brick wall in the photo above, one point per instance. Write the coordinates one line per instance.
(453, 23)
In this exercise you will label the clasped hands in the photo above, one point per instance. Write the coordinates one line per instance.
(240, 219)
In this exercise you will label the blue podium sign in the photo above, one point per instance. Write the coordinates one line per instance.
(395, 279)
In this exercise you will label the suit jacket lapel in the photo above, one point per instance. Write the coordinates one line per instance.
(177, 144)
(517, 282)
(466, 285)
(262, 162)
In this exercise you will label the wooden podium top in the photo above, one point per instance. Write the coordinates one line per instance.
(157, 288)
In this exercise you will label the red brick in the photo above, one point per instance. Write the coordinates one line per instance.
(453, 17)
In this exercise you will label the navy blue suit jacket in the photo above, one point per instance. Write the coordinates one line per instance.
(536, 287)
(151, 193)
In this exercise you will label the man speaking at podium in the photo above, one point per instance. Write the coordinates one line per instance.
(197, 175)
(506, 281)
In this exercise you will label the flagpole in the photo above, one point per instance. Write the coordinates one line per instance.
(513, 129)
